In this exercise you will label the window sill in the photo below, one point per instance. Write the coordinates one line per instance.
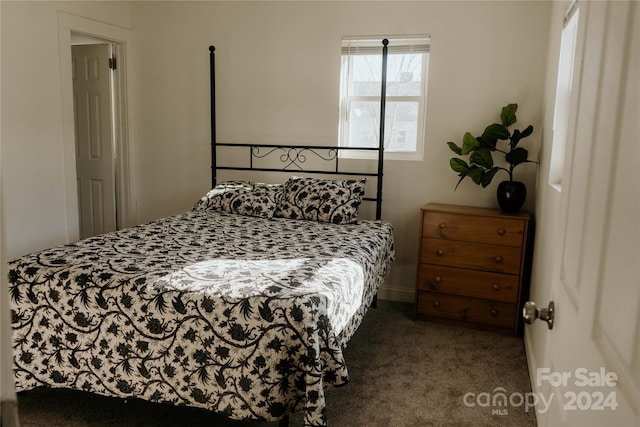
(373, 155)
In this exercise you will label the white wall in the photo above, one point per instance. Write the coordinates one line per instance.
(32, 182)
(32, 150)
(278, 70)
(7, 391)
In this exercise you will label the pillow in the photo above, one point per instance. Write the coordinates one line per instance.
(321, 200)
(243, 198)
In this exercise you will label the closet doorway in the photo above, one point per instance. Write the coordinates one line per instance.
(96, 115)
(93, 63)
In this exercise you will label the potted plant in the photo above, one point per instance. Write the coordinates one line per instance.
(481, 167)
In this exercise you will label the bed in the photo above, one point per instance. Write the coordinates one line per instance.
(241, 305)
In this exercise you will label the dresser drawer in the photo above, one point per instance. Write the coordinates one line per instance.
(474, 228)
(501, 259)
(470, 283)
(467, 309)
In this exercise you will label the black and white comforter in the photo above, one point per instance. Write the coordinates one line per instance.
(240, 315)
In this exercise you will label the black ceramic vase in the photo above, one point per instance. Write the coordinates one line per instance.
(511, 195)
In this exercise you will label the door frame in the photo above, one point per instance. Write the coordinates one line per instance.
(123, 116)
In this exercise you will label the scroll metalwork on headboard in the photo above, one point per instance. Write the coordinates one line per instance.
(294, 157)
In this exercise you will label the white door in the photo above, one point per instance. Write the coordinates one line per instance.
(591, 375)
(94, 140)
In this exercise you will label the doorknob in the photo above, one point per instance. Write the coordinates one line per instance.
(530, 313)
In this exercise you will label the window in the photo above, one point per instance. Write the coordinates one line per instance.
(566, 78)
(360, 87)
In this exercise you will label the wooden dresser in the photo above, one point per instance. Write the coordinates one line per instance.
(473, 267)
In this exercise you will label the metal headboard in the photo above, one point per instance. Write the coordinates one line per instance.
(293, 157)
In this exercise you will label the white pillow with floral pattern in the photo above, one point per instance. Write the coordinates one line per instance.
(241, 197)
(321, 200)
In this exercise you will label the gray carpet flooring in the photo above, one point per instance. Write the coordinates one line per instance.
(404, 373)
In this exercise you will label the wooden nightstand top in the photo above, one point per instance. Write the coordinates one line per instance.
(472, 210)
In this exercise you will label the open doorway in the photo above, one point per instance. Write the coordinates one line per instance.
(97, 138)
(93, 64)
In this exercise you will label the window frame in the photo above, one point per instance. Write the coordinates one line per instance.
(568, 77)
(367, 44)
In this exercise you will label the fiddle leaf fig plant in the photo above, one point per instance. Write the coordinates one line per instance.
(480, 149)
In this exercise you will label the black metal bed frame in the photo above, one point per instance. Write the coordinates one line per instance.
(293, 157)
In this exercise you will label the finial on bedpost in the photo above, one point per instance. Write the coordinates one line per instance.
(212, 48)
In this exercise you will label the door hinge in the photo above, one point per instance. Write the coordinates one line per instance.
(112, 63)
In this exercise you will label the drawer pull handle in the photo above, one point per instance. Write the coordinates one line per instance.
(436, 304)
(443, 225)
(440, 252)
(496, 287)
(494, 312)
(499, 259)
(437, 279)
(501, 231)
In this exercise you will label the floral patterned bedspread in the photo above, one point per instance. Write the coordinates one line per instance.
(240, 315)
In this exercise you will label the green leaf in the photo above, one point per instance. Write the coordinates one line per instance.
(508, 115)
(455, 148)
(528, 131)
(494, 132)
(469, 143)
(488, 176)
(482, 157)
(518, 136)
(515, 138)
(475, 173)
(517, 156)
(459, 165)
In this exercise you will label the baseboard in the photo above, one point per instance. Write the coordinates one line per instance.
(392, 293)
(531, 360)
(9, 413)
(532, 365)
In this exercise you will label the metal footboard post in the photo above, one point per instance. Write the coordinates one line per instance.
(284, 422)
(383, 104)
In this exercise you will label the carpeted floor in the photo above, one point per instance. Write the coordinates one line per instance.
(403, 373)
